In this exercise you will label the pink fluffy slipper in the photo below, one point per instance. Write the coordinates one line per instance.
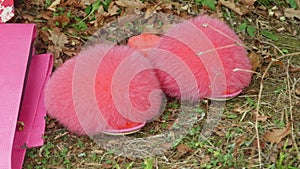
(104, 89)
(200, 58)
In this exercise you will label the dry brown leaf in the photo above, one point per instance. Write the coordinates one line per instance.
(255, 60)
(62, 20)
(70, 52)
(113, 10)
(279, 63)
(255, 145)
(298, 3)
(100, 16)
(131, 5)
(52, 7)
(297, 92)
(238, 142)
(106, 166)
(283, 143)
(55, 50)
(206, 159)
(276, 135)
(219, 131)
(294, 69)
(74, 4)
(261, 118)
(43, 34)
(290, 13)
(273, 157)
(157, 7)
(45, 15)
(149, 11)
(28, 18)
(168, 5)
(58, 39)
(182, 150)
(37, 2)
(241, 110)
(239, 9)
(84, 2)
(248, 2)
(51, 125)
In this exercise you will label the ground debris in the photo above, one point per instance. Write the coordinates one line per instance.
(276, 135)
(237, 8)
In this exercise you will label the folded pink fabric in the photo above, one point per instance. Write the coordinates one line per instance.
(22, 80)
(32, 110)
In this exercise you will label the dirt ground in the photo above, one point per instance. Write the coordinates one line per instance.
(260, 128)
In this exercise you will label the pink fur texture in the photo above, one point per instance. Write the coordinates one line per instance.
(143, 41)
(201, 57)
(122, 73)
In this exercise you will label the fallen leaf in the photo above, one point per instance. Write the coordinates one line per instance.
(168, 5)
(276, 135)
(132, 6)
(297, 92)
(291, 13)
(55, 50)
(62, 20)
(279, 63)
(206, 159)
(28, 17)
(238, 142)
(182, 150)
(276, 62)
(248, 2)
(45, 15)
(219, 131)
(285, 143)
(52, 7)
(82, 2)
(58, 39)
(113, 10)
(294, 69)
(241, 110)
(261, 118)
(149, 11)
(43, 34)
(51, 125)
(298, 3)
(255, 145)
(100, 16)
(37, 2)
(106, 166)
(255, 60)
(98, 151)
(273, 157)
(239, 9)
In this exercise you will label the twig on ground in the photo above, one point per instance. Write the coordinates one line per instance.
(291, 109)
(294, 88)
(259, 100)
(288, 55)
(257, 112)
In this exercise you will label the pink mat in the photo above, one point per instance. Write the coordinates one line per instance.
(22, 80)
